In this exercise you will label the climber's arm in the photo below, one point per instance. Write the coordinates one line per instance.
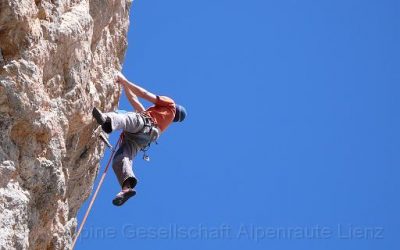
(132, 98)
(137, 90)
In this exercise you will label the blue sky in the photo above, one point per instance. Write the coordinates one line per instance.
(292, 132)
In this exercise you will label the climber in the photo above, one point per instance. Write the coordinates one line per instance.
(140, 129)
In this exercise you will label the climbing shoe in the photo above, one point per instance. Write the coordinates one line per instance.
(123, 196)
(102, 120)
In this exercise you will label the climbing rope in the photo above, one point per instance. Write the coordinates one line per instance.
(98, 186)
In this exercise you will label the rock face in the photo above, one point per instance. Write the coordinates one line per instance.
(58, 59)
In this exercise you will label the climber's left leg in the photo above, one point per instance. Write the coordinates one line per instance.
(122, 166)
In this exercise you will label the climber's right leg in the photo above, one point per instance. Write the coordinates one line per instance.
(131, 122)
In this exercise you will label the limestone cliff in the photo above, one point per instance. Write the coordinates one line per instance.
(57, 60)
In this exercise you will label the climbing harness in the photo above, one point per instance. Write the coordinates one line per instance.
(113, 150)
(143, 139)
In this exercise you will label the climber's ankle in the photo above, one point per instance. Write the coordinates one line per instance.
(126, 185)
